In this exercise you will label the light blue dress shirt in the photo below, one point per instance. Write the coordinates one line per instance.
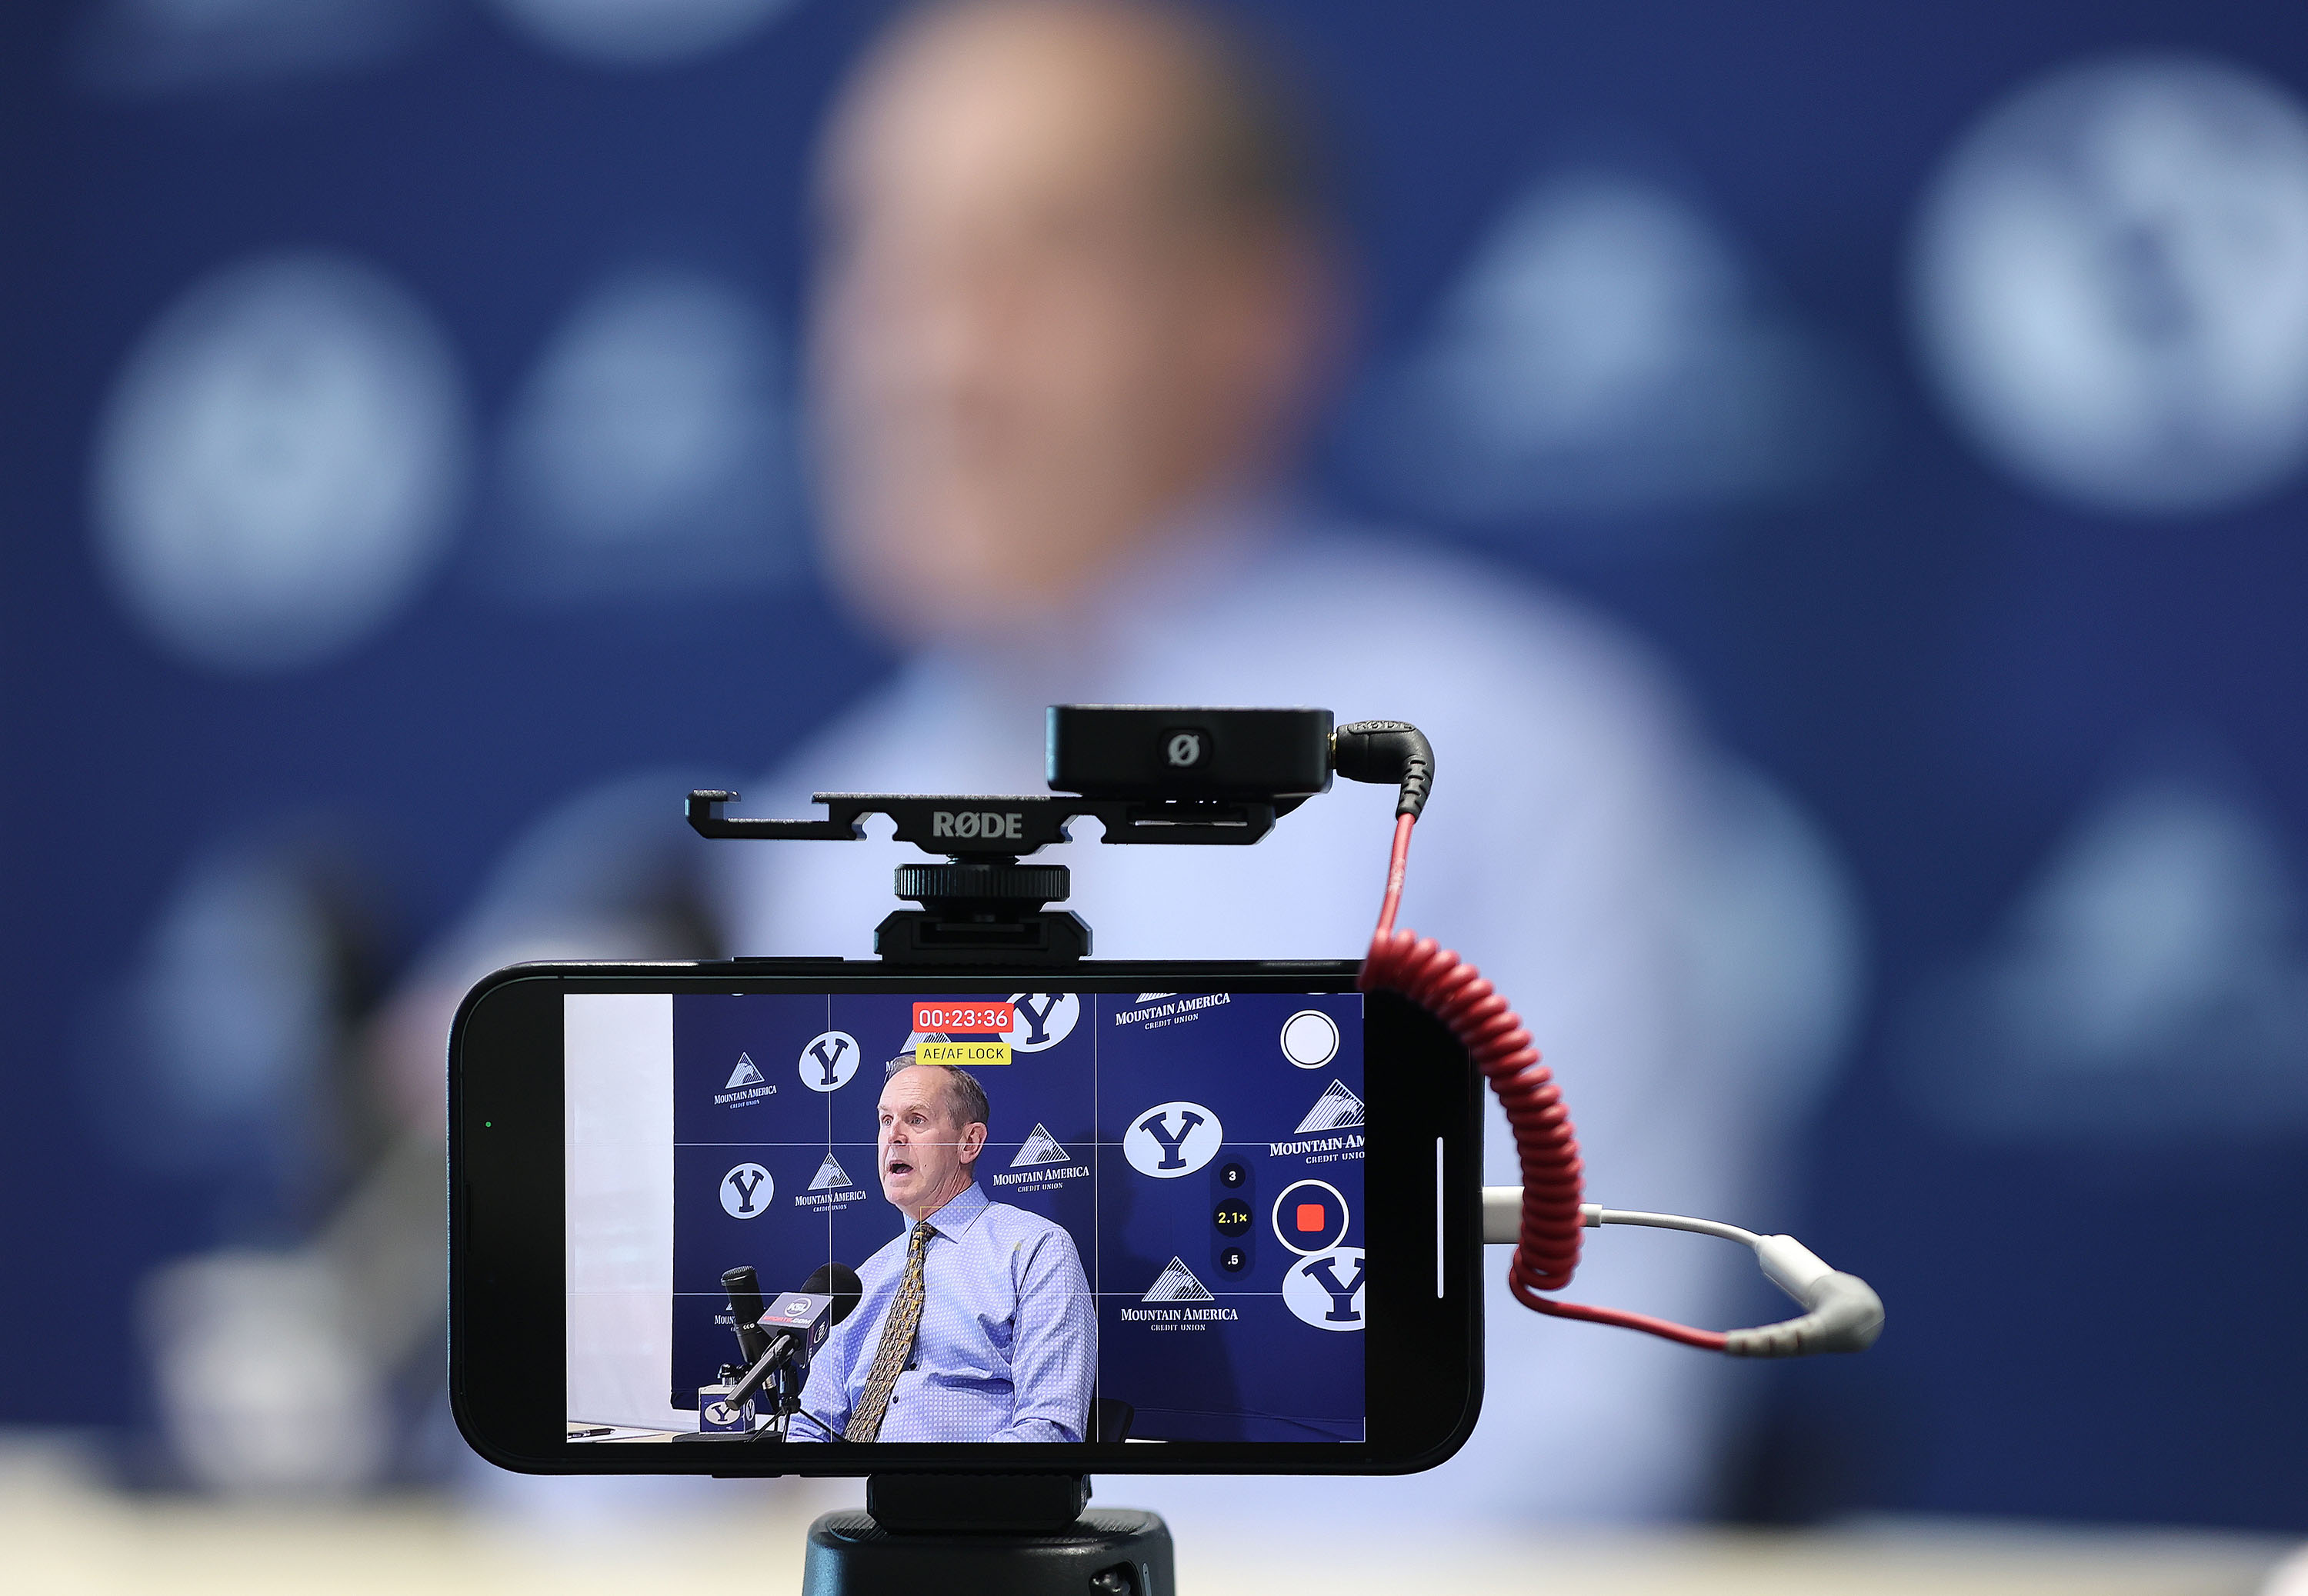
(1007, 1347)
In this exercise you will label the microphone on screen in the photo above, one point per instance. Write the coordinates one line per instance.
(842, 1283)
(745, 1289)
(793, 1325)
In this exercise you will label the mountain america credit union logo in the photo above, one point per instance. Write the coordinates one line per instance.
(1326, 1290)
(830, 1187)
(1172, 1139)
(746, 1191)
(1045, 1019)
(1042, 1161)
(1335, 1122)
(746, 1084)
(1178, 1302)
(828, 1060)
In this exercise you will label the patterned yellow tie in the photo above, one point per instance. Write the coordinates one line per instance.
(896, 1344)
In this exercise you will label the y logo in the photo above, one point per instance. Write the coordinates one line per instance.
(829, 1060)
(1158, 1126)
(746, 1191)
(1326, 1291)
(1044, 1019)
(1172, 1139)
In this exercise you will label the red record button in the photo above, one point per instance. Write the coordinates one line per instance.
(1309, 1216)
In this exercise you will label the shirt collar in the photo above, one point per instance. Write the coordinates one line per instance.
(960, 1213)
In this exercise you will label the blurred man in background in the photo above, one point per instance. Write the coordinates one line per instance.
(1078, 300)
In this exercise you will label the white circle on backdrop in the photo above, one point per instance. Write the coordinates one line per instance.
(1310, 1039)
(2111, 284)
(1044, 1019)
(1172, 1139)
(1326, 1290)
(654, 420)
(638, 32)
(280, 463)
(746, 1191)
(828, 1060)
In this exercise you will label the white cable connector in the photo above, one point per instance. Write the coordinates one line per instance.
(1843, 1313)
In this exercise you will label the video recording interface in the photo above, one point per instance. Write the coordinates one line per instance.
(1147, 1226)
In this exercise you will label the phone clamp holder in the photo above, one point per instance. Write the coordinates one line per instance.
(983, 907)
(1149, 773)
(1020, 1534)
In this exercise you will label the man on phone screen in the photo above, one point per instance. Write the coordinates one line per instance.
(975, 1323)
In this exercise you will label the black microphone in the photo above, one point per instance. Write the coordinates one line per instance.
(842, 1282)
(745, 1289)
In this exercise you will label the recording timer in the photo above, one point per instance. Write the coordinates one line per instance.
(993, 1018)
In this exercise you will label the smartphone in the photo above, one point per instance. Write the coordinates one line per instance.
(1189, 1217)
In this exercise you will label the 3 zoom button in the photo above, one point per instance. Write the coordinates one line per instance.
(1233, 1217)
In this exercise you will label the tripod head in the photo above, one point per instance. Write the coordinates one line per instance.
(1166, 775)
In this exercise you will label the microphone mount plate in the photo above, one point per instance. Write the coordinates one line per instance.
(984, 908)
(1014, 825)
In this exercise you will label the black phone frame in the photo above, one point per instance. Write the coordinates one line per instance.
(507, 1238)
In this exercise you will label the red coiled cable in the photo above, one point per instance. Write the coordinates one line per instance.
(1454, 991)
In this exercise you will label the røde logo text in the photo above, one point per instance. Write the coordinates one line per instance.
(972, 822)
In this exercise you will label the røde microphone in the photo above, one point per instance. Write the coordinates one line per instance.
(794, 1324)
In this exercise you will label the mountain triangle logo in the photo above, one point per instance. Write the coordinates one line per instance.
(1176, 1284)
(1041, 1147)
(1336, 1109)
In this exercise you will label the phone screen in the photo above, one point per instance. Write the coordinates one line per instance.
(1074, 1216)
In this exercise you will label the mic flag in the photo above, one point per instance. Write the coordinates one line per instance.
(793, 1325)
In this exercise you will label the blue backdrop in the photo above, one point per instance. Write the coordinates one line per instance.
(1196, 1325)
(2043, 694)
